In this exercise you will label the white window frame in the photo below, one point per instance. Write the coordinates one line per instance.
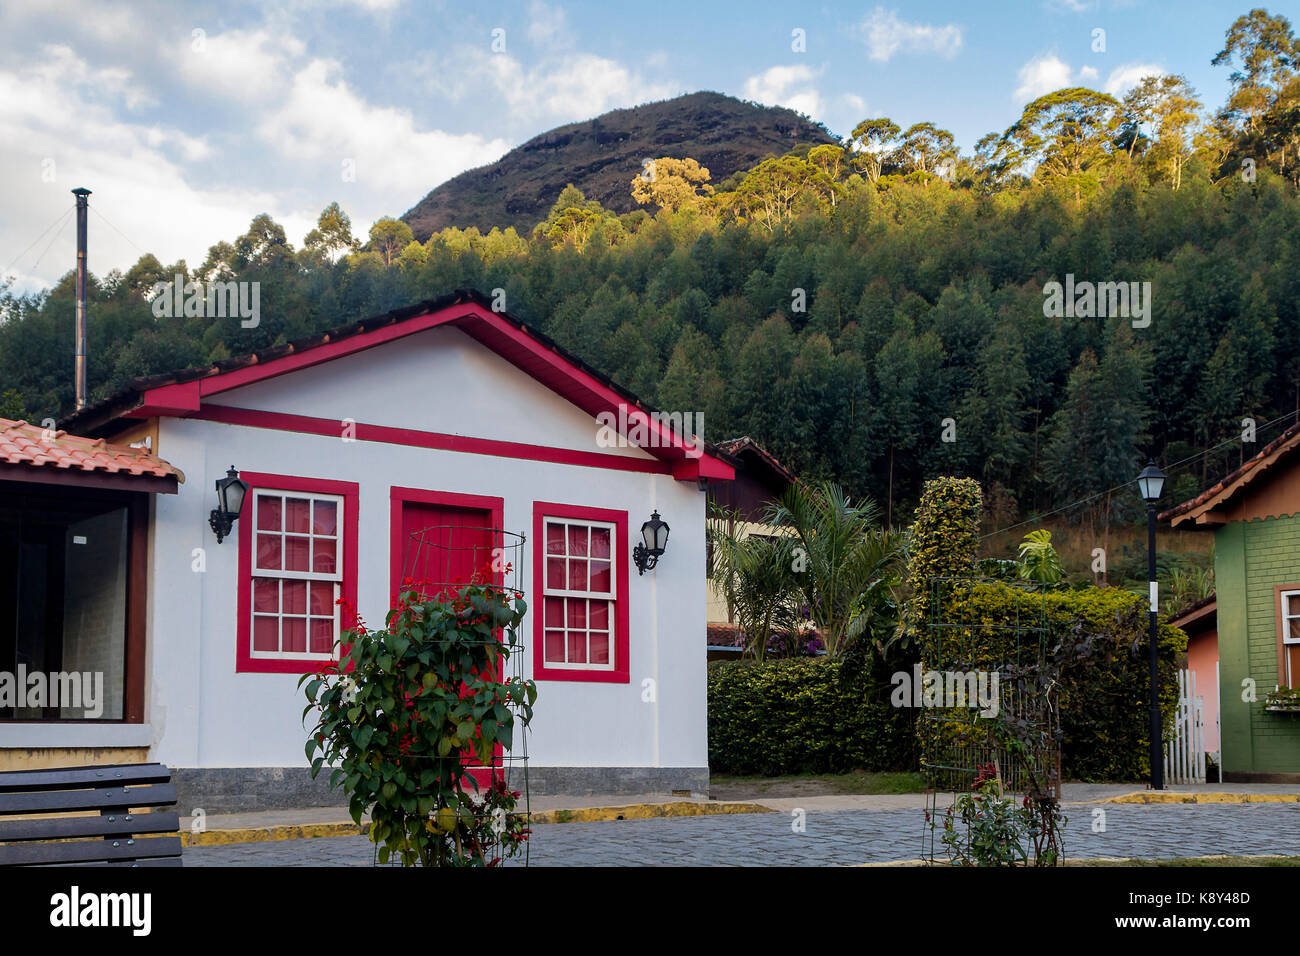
(611, 596)
(1286, 631)
(336, 578)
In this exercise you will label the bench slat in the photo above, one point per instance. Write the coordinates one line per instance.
(84, 851)
(69, 778)
(109, 798)
(59, 828)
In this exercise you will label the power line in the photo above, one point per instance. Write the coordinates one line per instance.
(1093, 497)
(117, 230)
(57, 222)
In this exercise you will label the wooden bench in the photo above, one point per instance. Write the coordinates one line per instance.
(109, 837)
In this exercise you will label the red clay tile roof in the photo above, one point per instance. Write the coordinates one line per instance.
(25, 444)
(1276, 450)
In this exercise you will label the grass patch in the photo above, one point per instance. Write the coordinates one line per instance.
(729, 787)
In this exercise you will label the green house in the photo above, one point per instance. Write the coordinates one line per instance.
(1254, 514)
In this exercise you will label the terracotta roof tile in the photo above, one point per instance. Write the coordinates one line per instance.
(24, 444)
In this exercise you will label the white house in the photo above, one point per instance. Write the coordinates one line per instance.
(352, 442)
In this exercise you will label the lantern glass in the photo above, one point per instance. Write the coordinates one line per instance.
(655, 534)
(661, 536)
(1151, 482)
(231, 491)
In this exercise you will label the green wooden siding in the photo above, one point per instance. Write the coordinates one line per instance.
(1251, 557)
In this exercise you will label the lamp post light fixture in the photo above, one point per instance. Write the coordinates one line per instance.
(654, 539)
(1151, 482)
(230, 501)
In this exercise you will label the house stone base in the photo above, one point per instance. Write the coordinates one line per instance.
(250, 789)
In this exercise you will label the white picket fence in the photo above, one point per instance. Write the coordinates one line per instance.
(1185, 753)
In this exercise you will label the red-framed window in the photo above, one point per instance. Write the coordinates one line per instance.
(580, 593)
(297, 560)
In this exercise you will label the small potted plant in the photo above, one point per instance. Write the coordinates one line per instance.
(1283, 700)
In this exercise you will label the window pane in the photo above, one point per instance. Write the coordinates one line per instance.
(577, 613)
(322, 635)
(296, 552)
(266, 595)
(324, 517)
(322, 599)
(599, 615)
(297, 513)
(600, 542)
(295, 634)
(577, 646)
(555, 647)
(599, 648)
(268, 552)
(1293, 629)
(600, 576)
(554, 612)
(295, 597)
(323, 555)
(554, 538)
(1293, 605)
(577, 575)
(268, 513)
(555, 573)
(266, 633)
(578, 540)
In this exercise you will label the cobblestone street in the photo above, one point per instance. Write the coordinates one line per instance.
(832, 838)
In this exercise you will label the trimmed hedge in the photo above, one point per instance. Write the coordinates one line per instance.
(1103, 695)
(804, 715)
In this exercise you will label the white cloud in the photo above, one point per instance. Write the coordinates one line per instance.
(245, 65)
(887, 35)
(789, 86)
(323, 121)
(567, 88)
(547, 26)
(1043, 74)
(1088, 73)
(1124, 78)
(61, 131)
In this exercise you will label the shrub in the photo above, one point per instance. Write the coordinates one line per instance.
(804, 715)
(1098, 637)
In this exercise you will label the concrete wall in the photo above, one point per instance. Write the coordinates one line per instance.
(205, 715)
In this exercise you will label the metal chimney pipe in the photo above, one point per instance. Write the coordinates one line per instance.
(81, 193)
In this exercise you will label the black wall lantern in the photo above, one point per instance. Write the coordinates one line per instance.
(230, 501)
(654, 536)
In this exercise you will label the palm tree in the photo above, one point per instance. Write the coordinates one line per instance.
(844, 563)
(753, 573)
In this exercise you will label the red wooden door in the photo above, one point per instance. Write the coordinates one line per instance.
(443, 548)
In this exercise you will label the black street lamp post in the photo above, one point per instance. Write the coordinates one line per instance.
(1151, 482)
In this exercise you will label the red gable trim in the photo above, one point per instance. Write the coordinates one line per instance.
(332, 428)
(493, 330)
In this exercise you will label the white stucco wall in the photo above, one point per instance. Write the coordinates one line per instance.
(204, 714)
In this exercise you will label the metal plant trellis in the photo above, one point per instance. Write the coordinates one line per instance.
(1023, 741)
(441, 559)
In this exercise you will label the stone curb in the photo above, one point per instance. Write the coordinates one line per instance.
(301, 831)
(1151, 796)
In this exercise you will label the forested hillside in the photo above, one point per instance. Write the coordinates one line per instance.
(723, 134)
(853, 305)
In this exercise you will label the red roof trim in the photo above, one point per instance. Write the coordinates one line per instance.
(495, 331)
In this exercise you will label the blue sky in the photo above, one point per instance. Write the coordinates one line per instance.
(187, 119)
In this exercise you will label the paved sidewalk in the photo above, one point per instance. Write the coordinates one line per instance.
(830, 838)
(334, 822)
